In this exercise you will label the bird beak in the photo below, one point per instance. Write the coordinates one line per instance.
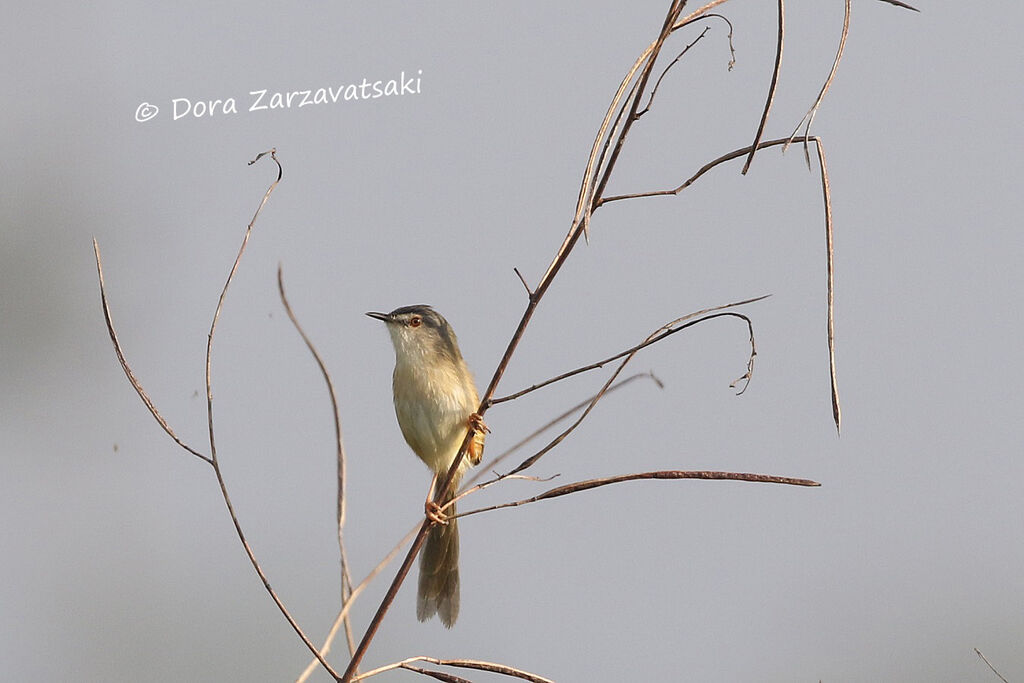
(378, 316)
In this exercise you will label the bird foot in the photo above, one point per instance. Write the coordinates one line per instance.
(477, 424)
(434, 512)
(476, 446)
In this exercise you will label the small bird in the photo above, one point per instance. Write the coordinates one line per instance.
(435, 402)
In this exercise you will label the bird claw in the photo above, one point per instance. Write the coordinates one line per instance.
(434, 512)
(477, 424)
(478, 428)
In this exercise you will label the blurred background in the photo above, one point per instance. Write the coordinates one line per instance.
(119, 559)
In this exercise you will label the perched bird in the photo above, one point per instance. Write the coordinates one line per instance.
(436, 402)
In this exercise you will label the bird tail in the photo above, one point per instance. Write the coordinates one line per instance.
(439, 573)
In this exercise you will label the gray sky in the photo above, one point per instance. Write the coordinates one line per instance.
(120, 562)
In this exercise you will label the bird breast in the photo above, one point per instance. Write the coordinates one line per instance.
(433, 405)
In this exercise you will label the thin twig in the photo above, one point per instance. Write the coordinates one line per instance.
(468, 488)
(735, 154)
(523, 280)
(771, 88)
(470, 485)
(657, 84)
(901, 4)
(661, 333)
(561, 256)
(667, 28)
(618, 109)
(985, 659)
(420, 531)
(749, 374)
(388, 599)
(127, 368)
(670, 330)
(826, 192)
(579, 406)
(587, 201)
(827, 196)
(590, 198)
(813, 111)
(346, 577)
(589, 484)
(496, 479)
(442, 676)
(209, 421)
(732, 48)
(629, 90)
(347, 606)
(476, 664)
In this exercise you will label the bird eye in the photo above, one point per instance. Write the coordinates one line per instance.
(415, 321)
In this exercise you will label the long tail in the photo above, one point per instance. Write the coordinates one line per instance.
(439, 573)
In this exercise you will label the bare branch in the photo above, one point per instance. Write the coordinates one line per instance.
(985, 659)
(670, 330)
(469, 488)
(127, 368)
(771, 88)
(476, 664)
(749, 374)
(346, 577)
(347, 606)
(827, 196)
(497, 479)
(212, 458)
(579, 406)
(561, 255)
(589, 198)
(660, 333)
(735, 154)
(621, 115)
(812, 112)
(589, 484)
(598, 171)
(491, 667)
(437, 675)
(732, 48)
(654, 90)
(901, 4)
(420, 537)
(826, 192)
(389, 597)
(209, 421)
(529, 293)
(598, 190)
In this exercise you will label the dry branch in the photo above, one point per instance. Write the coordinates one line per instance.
(829, 265)
(212, 458)
(347, 604)
(468, 489)
(657, 84)
(476, 664)
(209, 421)
(985, 659)
(339, 456)
(662, 332)
(771, 88)
(623, 112)
(812, 112)
(669, 330)
(596, 177)
(127, 368)
(577, 487)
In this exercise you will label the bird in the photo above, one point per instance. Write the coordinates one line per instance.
(436, 404)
